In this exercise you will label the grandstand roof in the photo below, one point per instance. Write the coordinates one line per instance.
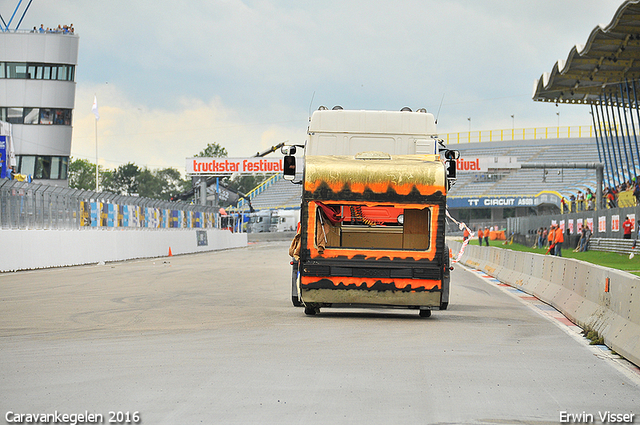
(610, 56)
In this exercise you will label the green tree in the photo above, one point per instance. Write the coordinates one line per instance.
(213, 150)
(123, 180)
(128, 179)
(246, 183)
(82, 174)
(107, 183)
(148, 185)
(161, 184)
(172, 182)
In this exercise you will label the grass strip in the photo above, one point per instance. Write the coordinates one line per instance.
(606, 259)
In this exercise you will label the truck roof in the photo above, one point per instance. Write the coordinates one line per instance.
(373, 122)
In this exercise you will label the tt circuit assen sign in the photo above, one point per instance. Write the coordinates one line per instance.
(225, 166)
(503, 201)
(492, 202)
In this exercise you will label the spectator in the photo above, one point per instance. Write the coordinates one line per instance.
(540, 238)
(626, 228)
(544, 237)
(558, 241)
(465, 234)
(572, 202)
(551, 237)
(486, 236)
(579, 245)
(480, 235)
(611, 198)
(580, 199)
(585, 238)
(589, 199)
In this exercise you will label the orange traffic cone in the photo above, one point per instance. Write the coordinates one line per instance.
(170, 254)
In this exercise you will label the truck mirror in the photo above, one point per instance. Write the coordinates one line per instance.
(451, 169)
(289, 171)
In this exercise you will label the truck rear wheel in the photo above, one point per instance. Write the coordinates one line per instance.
(311, 311)
(295, 297)
(425, 313)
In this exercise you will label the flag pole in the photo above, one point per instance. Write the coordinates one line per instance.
(96, 155)
(94, 109)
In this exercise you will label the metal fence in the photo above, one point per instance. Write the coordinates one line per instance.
(478, 136)
(37, 206)
(605, 223)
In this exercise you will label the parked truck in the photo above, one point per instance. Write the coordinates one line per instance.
(259, 221)
(284, 220)
(372, 229)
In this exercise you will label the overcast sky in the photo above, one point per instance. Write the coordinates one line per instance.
(171, 76)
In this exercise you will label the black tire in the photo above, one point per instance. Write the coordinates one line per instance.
(310, 311)
(425, 313)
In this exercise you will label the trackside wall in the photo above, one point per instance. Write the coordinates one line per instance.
(591, 296)
(34, 249)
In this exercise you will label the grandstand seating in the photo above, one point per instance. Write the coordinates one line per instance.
(530, 181)
(284, 194)
(281, 194)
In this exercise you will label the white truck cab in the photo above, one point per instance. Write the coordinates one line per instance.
(340, 132)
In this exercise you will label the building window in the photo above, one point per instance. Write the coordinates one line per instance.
(31, 115)
(43, 167)
(16, 70)
(48, 116)
(37, 71)
(26, 164)
(14, 115)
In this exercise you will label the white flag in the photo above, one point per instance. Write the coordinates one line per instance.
(94, 108)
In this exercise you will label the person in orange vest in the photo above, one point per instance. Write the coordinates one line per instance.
(558, 240)
(480, 235)
(466, 233)
(486, 236)
(551, 239)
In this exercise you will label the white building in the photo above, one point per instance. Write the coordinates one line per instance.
(37, 96)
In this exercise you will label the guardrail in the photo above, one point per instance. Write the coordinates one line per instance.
(37, 206)
(593, 297)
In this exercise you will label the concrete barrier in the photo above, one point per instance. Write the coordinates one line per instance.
(591, 296)
(33, 249)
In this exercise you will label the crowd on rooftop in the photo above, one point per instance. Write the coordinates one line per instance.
(61, 29)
